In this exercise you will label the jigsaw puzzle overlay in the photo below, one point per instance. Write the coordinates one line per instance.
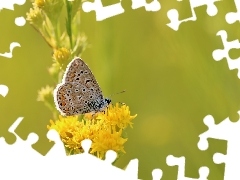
(173, 14)
(21, 151)
(229, 131)
(103, 13)
(219, 54)
(56, 159)
(116, 9)
(232, 17)
(21, 157)
(19, 21)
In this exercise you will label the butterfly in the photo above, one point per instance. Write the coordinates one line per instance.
(79, 92)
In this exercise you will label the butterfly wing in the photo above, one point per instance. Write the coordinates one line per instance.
(72, 99)
(78, 72)
(78, 89)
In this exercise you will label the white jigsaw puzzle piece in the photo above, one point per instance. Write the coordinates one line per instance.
(20, 21)
(18, 159)
(3, 90)
(157, 174)
(12, 46)
(173, 14)
(21, 148)
(85, 163)
(101, 11)
(153, 6)
(132, 168)
(232, 17)
(219, 54)
(180, 162)
(9, 4)
(58, 149)
(110, 156)
(229, 131)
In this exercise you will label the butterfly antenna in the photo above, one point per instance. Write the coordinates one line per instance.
(118, 93)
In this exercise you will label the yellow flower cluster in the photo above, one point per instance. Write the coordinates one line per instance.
(45, 94)
(105, 129)
(61, 55)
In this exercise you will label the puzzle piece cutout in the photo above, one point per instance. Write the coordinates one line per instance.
(229, 131)
(9, 4)
(153, 6)
(180, 162)
(12, 46)
(101, 11)
(157, 174)
(20, 21)
(21, 159)
(3, 90)
(58, 149)
(21, 148)
(219, 54)
(232, 17)
(173, 14)
(116, 9)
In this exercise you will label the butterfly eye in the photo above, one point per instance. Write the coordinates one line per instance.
(83, 90)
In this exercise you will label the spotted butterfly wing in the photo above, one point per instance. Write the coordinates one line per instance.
(79, 91)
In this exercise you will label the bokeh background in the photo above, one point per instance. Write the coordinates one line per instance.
(171, 81)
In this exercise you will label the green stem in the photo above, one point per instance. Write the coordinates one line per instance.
(55, 29)
(69, 21)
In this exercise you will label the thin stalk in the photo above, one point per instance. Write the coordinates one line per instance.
(69, 21)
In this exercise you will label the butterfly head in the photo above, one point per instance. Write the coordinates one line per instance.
(107, 101)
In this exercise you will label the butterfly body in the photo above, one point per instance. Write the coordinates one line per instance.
(79, 91)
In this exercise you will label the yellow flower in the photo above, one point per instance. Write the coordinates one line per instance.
(35, 17)
(61, 55)
(69, 130)
(52, 8)
(39, 3)
(99, 127)
(118, 115)
(107, 140)
(45, 94)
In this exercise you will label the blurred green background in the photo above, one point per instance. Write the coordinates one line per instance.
(171, 79)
